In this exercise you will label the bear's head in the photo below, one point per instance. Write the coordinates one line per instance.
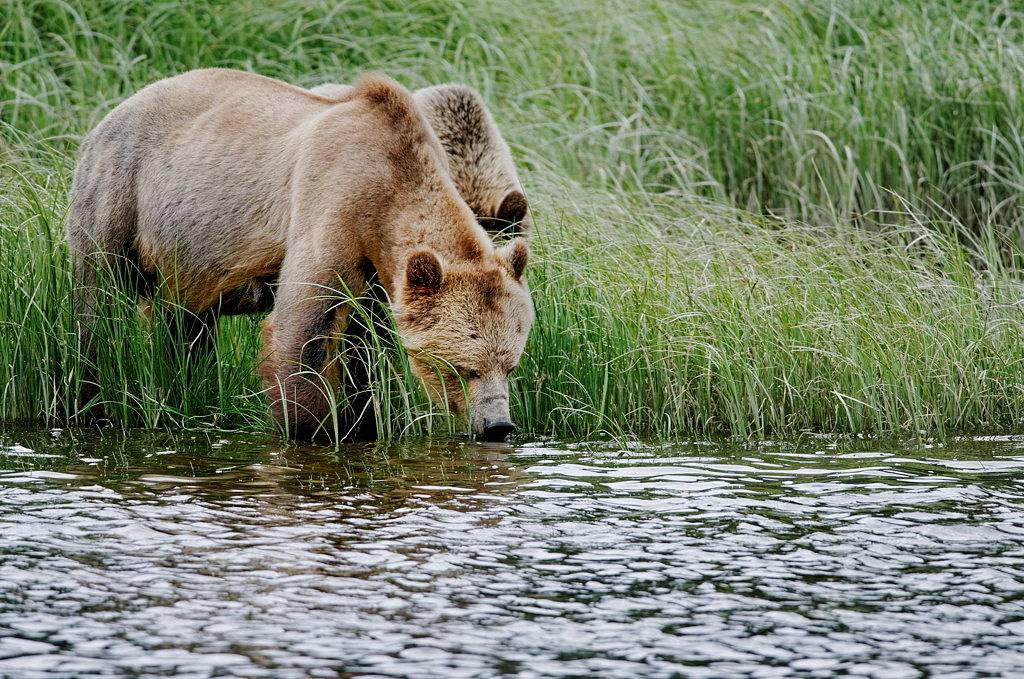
(468, 319)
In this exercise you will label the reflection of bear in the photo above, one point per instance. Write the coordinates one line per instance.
(221, 181)
(479, 160)
(368, 479)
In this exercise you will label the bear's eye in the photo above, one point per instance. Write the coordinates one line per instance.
(467, 373)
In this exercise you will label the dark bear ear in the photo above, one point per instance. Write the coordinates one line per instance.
(423, 272)
(512, 212)
(516, 252)
(513, 208)
(510, 215)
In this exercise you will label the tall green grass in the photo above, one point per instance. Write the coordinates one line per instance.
(754, 218)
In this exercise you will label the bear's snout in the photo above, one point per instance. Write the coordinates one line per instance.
(497, 430)
(489, 406)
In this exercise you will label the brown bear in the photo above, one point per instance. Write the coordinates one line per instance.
(220, 181)
(479, 160)
(481, 165)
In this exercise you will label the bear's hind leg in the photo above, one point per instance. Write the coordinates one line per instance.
(100, 231)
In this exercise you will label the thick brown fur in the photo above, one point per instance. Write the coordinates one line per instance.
(222, 181)
(478, 158)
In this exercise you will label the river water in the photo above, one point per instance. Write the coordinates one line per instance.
(204, 555)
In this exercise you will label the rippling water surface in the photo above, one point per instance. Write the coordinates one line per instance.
(199, 556)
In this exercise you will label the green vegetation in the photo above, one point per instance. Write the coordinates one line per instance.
(753, 218)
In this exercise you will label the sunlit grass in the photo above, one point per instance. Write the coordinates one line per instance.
(752, 218)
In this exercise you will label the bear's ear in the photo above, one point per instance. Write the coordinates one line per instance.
(515, 253)
(423, 272)
(512, 212)
(509, 217)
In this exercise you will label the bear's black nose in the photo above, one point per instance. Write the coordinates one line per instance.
(497, 430)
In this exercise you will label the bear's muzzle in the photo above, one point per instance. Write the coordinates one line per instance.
(497, 430)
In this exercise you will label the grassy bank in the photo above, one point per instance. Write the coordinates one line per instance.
(752, 218)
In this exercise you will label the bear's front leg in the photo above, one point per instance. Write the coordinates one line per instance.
(300, 375)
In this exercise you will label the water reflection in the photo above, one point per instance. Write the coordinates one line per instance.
(201, 555)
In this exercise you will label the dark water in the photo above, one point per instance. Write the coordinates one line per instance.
(199, 556)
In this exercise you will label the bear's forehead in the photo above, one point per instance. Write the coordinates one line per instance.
(478, 286)
(490, 285)
(474, 300)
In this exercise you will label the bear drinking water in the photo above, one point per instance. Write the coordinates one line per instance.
(220, 181)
